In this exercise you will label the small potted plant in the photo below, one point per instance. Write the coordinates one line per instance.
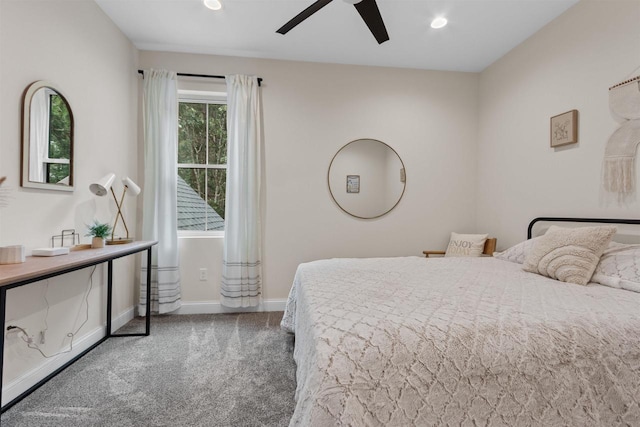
(99, 232)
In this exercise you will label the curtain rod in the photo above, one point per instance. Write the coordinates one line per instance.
(208, 76)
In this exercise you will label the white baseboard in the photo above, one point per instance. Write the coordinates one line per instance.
(122, 319)
(28, 379)
(214, 307)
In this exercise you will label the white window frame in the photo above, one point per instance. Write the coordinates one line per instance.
(201, 97)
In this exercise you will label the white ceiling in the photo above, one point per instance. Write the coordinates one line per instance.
(479, 31)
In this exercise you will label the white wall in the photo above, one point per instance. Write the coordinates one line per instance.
(74, 45)
(310, 111)
(569, 64)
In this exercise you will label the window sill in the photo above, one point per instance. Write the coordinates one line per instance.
(200, 236)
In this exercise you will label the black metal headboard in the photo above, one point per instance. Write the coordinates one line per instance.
(592, 220)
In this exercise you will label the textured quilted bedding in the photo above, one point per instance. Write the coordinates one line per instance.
(460, 341)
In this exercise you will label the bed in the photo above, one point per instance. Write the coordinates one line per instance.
(460, 341)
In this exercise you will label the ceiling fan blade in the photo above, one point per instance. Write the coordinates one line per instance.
(368, 10)
(303, 15)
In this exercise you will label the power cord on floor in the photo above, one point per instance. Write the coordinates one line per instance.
(28, 339)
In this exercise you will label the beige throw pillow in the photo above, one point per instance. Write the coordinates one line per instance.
(466, 245)
(569, 254)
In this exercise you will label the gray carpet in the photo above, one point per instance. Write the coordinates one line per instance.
(197, 370)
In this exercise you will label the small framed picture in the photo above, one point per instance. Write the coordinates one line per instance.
(353, 183)
(564, 128)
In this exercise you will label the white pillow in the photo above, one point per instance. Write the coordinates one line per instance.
(569, 254)
(516, 253)
(619, 267)
(466, 245)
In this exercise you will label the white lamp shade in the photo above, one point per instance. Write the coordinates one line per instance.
(132, 187)
(101, 187)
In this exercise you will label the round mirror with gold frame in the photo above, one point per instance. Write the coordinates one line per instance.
(47, 138)
(366, 178)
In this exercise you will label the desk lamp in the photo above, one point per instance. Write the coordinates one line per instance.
(102, 187)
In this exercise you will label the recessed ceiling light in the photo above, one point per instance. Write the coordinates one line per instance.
(439, 22)
(213, 4)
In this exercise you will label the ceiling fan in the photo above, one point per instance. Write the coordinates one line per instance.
(368, 10)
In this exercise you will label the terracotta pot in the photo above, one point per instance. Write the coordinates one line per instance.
(98, 242)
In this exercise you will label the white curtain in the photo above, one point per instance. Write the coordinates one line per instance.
(38, 135)
(242, 270)
(159, 214)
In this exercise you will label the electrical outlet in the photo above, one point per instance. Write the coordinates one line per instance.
(203, 274)
(42, 341)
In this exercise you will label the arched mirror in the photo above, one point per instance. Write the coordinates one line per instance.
(366, 178)
(47, 138)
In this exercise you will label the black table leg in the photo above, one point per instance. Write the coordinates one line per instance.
(3, 311)
(148, 331)
(109, 295)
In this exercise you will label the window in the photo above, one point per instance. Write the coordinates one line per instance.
(56, 161)
(202, 162)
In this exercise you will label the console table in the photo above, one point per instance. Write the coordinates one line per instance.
(35, 269)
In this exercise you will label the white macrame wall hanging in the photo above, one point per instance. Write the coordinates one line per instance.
(618, 169)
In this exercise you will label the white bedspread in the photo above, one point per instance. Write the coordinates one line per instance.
(460, 341)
